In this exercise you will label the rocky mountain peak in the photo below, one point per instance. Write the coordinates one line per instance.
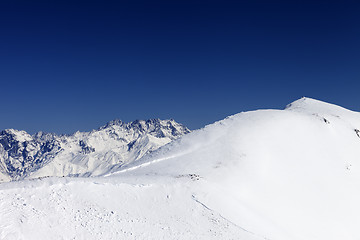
(83, 153)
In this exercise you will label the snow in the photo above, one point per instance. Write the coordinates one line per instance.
(266, 174)
(82, 153)
(101, 209)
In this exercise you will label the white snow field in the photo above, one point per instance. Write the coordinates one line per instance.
(290, 174)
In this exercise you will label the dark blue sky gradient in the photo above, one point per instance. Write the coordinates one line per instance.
(67, 66)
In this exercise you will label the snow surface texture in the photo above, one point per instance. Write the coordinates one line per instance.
(83, 153)
(290, 174)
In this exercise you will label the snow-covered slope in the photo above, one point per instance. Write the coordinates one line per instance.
(83, 153)
(290, 174)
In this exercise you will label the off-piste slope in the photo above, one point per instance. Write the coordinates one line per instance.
(267, 174)
(282, 174)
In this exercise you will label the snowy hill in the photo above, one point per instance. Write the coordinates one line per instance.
(83, 153)
(290, 174)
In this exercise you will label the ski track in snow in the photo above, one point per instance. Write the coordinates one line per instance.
(242, 229)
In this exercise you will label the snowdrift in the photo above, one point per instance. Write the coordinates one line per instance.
(267, 174)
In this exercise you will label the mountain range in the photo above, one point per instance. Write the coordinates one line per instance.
(82, 153)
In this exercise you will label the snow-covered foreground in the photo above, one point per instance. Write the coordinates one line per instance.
(269, 174)
(109, 209)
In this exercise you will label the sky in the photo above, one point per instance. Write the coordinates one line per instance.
(75, 65)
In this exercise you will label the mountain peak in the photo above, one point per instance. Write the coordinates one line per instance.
(310, 105)
(18, 135)
(115, 122)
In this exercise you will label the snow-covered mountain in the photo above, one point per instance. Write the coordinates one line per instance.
(291, 174)
(83, 153)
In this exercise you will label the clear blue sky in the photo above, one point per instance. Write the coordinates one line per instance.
(74, 65)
